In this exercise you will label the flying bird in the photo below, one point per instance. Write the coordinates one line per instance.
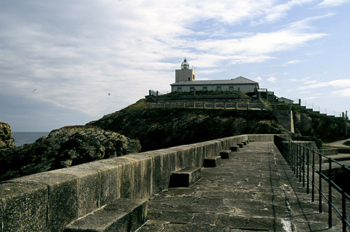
(34, 90)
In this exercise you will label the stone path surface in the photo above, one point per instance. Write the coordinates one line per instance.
(339, 143)
(253, 191)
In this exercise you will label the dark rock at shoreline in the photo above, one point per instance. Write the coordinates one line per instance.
(62, 148)
(6, 139)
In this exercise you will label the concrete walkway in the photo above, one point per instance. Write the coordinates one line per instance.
(255, 190)
(339, 143)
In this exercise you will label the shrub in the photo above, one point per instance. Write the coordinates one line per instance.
(347, 143)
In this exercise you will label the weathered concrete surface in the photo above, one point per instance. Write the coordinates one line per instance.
(185, 177)
(16, 210)
(120, 215)
(338, 143)
(212, 161)
(255, 190)
(62, 200)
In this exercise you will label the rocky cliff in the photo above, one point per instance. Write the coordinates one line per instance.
(161, 128)
(6, 139)
(63, 148)
(326, 128)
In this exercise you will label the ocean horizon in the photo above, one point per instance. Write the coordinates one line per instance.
(22, 138)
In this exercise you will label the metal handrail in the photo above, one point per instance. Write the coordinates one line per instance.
(298, 157)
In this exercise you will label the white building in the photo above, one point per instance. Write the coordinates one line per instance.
(185, 82)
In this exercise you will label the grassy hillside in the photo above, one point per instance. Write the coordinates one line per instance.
(160, 128)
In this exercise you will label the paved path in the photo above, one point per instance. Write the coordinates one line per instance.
(255, 190)
(339, 143)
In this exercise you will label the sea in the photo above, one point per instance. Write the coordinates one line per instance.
(22, 138)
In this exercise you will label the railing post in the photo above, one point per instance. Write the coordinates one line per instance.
(313, 175)
(330, 193)
(308, 171)
(293, 157)
(300, 160)
(343, 205)
(303, 166)
(320, 184)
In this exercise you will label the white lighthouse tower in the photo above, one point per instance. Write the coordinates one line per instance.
(185, 73)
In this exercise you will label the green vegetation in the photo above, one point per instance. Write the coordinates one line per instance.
(347, 143)
(161, 128)
(166, 127)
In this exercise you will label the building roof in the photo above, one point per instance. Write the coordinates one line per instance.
(284, 99)
(237, 81)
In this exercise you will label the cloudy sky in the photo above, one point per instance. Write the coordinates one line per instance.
(71, 62)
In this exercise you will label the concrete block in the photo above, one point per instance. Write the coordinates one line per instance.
(185, 177)
(225, 154)
(168, 167)
(143, 177)
(210, 149)
(135, 208)
(62, 197)
(189, 156)
(101, 221)
(109, 179)
(157, 168)
(240, 145)
(127, 177)
(88, 187)
(179, 158)
(212, 161)
(222, 144)
(234, 148)
(200, 151)
(23, 207)
(120, 215)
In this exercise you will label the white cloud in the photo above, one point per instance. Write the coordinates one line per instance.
(341, 83)
(74, 53)
(276, 12)
(258, 78)
(301, 79)
(343, 92)
(272, 79)
(310, 82)
(333, 3)
(292, 62)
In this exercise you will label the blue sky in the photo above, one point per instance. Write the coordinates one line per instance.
(71, 62)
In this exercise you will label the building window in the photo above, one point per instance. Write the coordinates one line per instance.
(191, 89)
(218, 88)
(179, 89)
(205, 88)
(189, 78)
(231, 88)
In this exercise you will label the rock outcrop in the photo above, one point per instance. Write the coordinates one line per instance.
(326, 128)
(63, 148)
(6, 139)
(162, 128)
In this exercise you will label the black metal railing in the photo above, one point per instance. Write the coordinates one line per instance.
(316, 171)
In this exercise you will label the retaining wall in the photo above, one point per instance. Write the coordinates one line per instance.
(49, 201)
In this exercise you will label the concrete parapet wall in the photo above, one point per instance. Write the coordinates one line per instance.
(49, 201)
(329, 151)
